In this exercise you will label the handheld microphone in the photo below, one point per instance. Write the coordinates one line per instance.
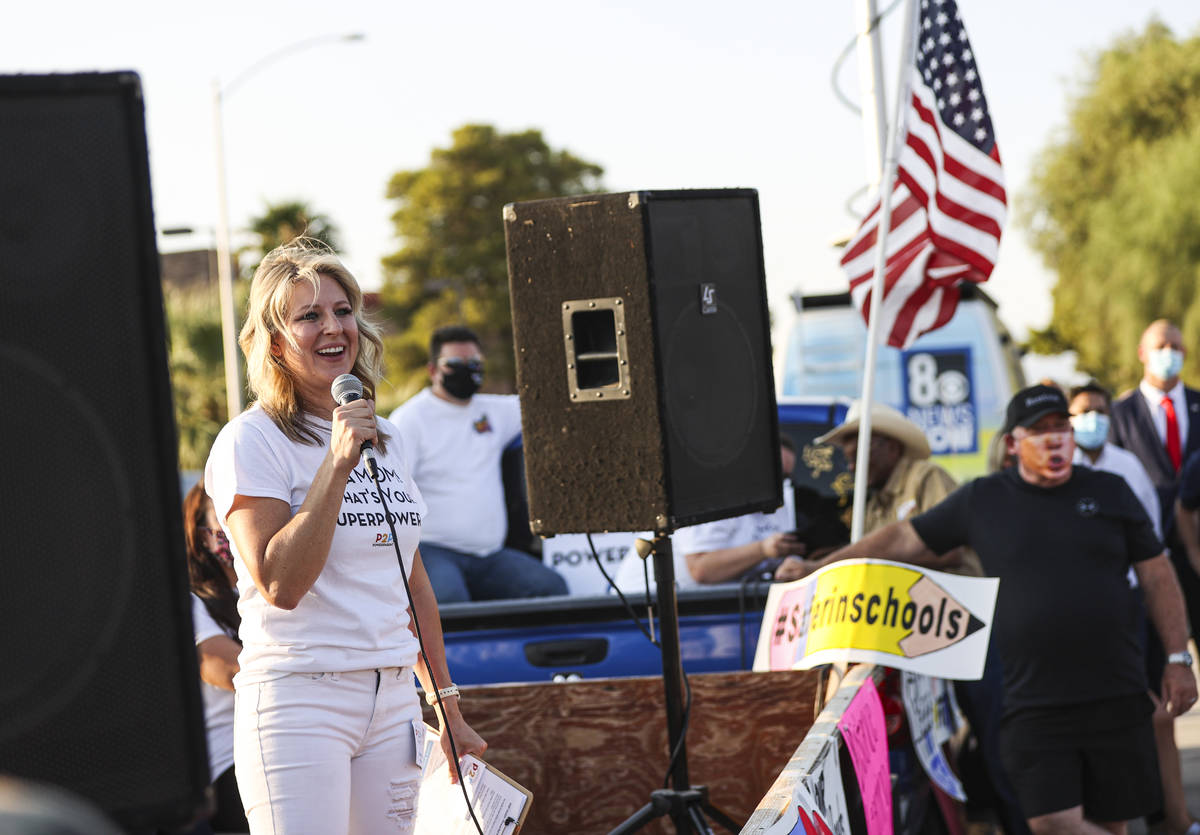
(346, 389)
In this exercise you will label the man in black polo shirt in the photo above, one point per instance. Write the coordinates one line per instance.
(1076, 736)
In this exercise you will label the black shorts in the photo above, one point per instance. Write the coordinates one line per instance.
(1098, 755)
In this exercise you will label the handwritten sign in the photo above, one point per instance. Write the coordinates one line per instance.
(802, 817)
(881, 612)
(863, 732)
(932, 718)
(818, 804)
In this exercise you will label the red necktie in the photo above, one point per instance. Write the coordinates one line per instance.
(1173, 451)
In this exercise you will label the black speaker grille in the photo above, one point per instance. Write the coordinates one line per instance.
(704, 354)
(717, 390)
(100, 692)
(51, 545)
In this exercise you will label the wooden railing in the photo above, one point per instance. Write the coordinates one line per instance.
(806, 758)
(592, 751)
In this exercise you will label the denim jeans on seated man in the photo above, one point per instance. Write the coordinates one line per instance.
(458, 577)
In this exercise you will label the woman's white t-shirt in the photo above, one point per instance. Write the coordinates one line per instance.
(218, 703)
(355, 615)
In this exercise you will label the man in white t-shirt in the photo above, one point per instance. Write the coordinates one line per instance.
(455, 438)
(728, 550)
(1090, 406)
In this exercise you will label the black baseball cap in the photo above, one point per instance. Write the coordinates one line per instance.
(1029, 405)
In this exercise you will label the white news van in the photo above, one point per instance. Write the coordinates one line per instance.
(954, 382)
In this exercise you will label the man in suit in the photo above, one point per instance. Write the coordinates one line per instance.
(1091, 418)
(1159, 422)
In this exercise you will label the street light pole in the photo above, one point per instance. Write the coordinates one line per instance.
(229, 346)
(874, 96)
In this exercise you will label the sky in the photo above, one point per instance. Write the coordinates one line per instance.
(662, 93)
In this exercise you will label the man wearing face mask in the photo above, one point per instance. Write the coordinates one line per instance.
(1090, 405)
(454, 438)
(1076, 738)
(1159, 422)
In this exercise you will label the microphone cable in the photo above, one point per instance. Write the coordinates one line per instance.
(762, 578)
(387, 514)
(346, 389)
(628, 608)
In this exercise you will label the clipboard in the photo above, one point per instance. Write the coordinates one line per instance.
(501, 804)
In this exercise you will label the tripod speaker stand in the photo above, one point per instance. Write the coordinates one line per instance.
(684, 803)
(647, 398)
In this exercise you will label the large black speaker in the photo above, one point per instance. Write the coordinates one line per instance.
(99, 690)
(643, 359)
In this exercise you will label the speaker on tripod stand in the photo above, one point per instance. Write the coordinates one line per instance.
(648, 403)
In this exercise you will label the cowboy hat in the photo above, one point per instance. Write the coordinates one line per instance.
(886, 421)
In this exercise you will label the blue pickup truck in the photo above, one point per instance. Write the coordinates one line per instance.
(593, 636)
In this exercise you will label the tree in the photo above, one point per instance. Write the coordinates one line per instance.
(1112, 207)
(452, 266)
(281, 222)
(197, 381)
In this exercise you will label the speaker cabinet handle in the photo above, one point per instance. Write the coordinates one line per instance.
(597, 353)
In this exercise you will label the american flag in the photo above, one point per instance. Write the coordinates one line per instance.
(948, 204)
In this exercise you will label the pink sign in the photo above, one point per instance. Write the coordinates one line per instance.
(864, 734)
(790, 629)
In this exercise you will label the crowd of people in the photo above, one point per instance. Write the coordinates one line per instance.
(316, 579)
(1091, 520)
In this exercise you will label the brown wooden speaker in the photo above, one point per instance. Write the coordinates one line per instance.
(643, 359)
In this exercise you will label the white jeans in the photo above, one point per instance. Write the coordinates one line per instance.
(328, 753)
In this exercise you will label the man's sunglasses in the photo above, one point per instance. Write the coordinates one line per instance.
(474, 366)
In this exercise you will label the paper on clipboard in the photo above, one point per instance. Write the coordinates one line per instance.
(500, 804)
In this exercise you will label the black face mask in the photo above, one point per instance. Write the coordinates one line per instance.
(462, 380)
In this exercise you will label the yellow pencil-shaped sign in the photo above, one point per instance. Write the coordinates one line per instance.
(889, 613)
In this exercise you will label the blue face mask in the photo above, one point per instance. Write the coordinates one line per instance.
(1091, 429)
(1165, 362)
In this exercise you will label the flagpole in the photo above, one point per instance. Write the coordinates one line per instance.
(862, 459)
